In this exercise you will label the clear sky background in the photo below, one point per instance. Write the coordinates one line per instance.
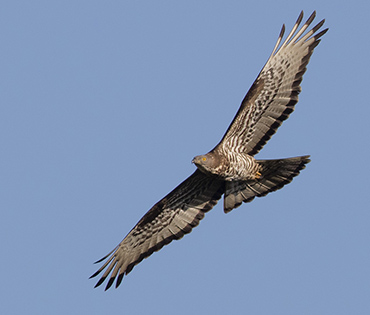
(104, 104)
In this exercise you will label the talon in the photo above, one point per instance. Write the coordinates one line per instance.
(258, 175)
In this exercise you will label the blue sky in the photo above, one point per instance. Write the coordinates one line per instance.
(103, 106)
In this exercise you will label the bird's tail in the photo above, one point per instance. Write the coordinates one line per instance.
(274, 175)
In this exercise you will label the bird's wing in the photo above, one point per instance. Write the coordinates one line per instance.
(169, 219)
(274, 93)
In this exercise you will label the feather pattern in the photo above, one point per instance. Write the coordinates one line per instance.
(170, 219)
(274, 93)
(275, 175)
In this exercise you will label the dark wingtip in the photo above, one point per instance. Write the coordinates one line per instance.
(119, 280)
(311, 18)
(282, 31)
(100, 260)
(323, 32)
(109, 284)
(318, 25)
(300, 17)
(304, 160)
(95, 274)
(100, 282)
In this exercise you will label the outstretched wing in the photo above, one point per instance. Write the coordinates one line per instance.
(169, 219)
(274, 93)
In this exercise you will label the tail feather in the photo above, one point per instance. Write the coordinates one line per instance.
(274, 175)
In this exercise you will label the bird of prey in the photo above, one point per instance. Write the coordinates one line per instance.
(229, 169)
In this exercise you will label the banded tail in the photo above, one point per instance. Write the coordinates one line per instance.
(275, 174)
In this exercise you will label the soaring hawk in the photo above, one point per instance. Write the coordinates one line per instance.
(230, 168)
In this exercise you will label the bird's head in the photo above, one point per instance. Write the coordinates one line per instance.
(206, 163)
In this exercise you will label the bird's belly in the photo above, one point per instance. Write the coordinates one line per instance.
(240, 167)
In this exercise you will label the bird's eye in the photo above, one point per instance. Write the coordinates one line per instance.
(204, 158)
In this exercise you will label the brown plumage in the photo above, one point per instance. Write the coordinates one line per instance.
(230, 168)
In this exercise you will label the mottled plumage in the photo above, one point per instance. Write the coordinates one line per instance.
(230, 169)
